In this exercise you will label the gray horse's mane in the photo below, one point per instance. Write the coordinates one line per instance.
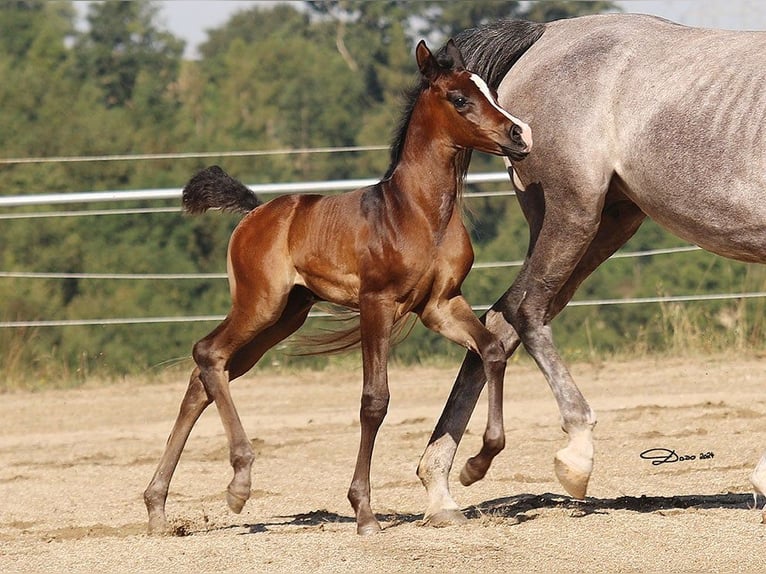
(492, 49)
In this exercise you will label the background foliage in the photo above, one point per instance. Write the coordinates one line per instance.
(295, 75)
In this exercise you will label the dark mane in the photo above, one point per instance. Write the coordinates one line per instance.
(410, 97)
(492, 49)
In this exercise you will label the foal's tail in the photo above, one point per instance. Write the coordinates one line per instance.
(213, 188)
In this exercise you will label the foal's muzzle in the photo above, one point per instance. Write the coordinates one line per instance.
(521, 141)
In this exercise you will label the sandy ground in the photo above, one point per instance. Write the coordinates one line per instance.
(73, 466)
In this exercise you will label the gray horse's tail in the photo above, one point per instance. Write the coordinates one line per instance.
(213, 188)
(492, 49)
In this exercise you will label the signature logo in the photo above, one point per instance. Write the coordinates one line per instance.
(665, 456)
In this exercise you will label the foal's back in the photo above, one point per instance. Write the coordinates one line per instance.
(369, 239)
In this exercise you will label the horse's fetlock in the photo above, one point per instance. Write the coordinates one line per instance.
(356, 494)
(242, 458)
(494, 441)
(151, 497)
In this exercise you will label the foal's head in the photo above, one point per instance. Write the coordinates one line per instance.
(464, 103)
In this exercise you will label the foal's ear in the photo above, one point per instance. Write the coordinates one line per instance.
(427, 64)
(458, 64)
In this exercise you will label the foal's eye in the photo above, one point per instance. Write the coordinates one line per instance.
(459, 102)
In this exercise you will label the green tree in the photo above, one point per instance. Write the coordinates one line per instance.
(272, 77)
(122, 43)
(274, 80)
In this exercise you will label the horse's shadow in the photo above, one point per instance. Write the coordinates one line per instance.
(520, 508)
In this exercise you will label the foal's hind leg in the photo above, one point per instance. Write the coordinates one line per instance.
(196, 400)
(233, 344)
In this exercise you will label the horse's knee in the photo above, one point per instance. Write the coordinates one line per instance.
(493, 354)
(524, 309)
(530, 322)
(374, 409)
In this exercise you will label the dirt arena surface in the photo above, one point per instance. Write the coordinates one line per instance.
(73, 466)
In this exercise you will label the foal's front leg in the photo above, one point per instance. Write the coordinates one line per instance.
(376, 323)
(454, 319)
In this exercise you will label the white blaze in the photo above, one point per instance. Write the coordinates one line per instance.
(526, 132)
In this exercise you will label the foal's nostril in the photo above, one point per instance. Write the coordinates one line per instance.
(516, 135)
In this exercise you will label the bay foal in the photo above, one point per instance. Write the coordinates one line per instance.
(386, 250)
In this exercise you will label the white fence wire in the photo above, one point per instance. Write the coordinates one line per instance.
(264, 190)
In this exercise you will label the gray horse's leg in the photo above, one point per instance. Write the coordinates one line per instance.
(455, 320)
(436, 462)
(758, 480)
(569, 246)
(620, 220)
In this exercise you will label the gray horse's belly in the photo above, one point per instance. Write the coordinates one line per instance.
(727, 220)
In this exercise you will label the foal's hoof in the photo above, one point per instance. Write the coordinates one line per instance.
(452, 517)
(472, 472)
(573, 472)
(367, 529)
(235, 501)
(158, 526)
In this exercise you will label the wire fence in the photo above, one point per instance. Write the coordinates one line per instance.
(263, 190)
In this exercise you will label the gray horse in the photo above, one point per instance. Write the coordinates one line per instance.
(633, 116)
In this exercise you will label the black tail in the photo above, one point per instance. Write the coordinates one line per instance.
(213, 188)
(491, 50)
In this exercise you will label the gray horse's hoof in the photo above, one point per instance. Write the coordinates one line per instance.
(574, 478)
